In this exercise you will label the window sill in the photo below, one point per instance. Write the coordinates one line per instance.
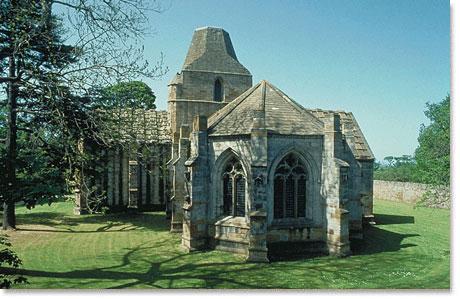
(233, 221)
(292, 223)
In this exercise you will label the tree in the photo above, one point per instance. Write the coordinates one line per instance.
(134, 94)
(401, 169)
(49, 83)
(30, 49)
(38, 172)
(433, 153)
(117, 108)
(126, 121)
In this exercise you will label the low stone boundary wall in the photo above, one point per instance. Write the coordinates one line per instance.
(412, 193)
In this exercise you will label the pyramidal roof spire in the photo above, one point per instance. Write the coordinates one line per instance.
(212, 50)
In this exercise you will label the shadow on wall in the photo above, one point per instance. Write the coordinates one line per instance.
(376, 240)
(291, 251)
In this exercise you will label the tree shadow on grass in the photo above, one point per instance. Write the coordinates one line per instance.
(138, 267)
(63, 223)
(40, 218)
(183, 269)
(158, 274)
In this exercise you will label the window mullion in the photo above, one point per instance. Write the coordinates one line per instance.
(284, 197)
(286, 190)
(295, 178)
(233, 196)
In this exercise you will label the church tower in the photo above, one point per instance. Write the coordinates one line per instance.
(210, 78)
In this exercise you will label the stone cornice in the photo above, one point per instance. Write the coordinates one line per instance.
(217, 72)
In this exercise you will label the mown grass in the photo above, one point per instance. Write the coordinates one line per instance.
(408, 248)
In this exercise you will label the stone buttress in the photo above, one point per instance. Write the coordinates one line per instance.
(179, 188)
(258, 222)
(334, 189)
(195, 222)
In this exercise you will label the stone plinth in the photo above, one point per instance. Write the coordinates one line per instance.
(257, 250)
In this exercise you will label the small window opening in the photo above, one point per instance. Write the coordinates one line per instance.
(218, 91)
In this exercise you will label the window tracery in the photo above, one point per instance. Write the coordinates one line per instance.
(290, 188)
(234, 189)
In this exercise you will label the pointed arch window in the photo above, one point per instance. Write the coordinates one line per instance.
(290, 188)
(218, 90)
(234, 189)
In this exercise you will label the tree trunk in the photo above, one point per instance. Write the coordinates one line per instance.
(9, 216)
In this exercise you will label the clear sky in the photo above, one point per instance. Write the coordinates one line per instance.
(380, 59)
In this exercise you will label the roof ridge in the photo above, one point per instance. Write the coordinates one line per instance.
(263, 102)
(296, 105)
(215, 118)
(264, 94)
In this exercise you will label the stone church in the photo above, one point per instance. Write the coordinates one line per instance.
(247, 166)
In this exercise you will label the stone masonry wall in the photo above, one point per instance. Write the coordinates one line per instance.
(199, 86)
(411, 192)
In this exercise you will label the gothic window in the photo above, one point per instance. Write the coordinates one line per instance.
(290, 188)
(234, 188)
(343, 182)
(218, 90)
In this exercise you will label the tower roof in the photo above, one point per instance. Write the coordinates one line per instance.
(278, 113)
(212, 50)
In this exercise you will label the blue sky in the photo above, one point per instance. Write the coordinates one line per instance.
(380, 59)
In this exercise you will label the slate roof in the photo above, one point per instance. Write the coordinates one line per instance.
(148, 126)
(284, 116)
(212, 50)
(350, 129)
(280, 114)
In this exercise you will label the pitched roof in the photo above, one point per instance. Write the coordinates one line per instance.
(353, 134)
(212, 50)
(280, 114)
(149, 126)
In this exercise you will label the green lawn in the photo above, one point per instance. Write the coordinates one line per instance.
(409, 248)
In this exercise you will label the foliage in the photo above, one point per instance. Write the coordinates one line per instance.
(120, 113)
(126, 121)
(10, 258)
(133, 95)
(433, 152)
(51, 70)
(431, 162)
(401, 169)
(408, 248)
(39, 174)
(32, 53)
